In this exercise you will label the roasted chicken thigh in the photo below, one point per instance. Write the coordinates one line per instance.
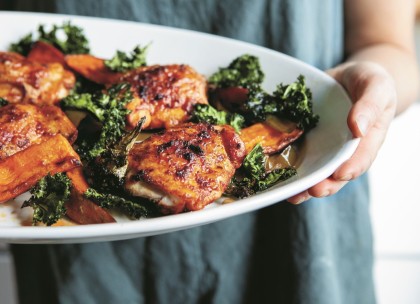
(26, 81)
(186, 167)
(164, 94)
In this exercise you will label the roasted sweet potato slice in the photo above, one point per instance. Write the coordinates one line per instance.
(80, 209)
(78, 180)
(84, 212)
(46, 53)
(92, 68)
(21, 171)
(271, 139)
(23, 125)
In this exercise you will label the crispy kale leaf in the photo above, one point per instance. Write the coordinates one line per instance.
(245, 71)
(3, 102)
(253, 176)
(48, 198)
(110, 201)
(122, 62)
(107, 171)
(23, 46)
(106, 175)
(74, 42)
(104, 153)
(109, 109)
(291, 102)
(295, 104)
(254, 162)
(84, 102)
(208, 114)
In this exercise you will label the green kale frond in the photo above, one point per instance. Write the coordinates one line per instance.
(253, 176)
(291, 102)
(3, 102)
(110, 110)
(48, 198)
(277, 175)
(23, 46)
(84, 102)
(133, 209)
(208, 114)
(74, 41)
(108, 170)
(295, 104)
(244, 71)
(122, 62)
(254, 162)
(257, 106)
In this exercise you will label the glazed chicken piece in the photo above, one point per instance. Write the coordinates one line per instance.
(164, 94)
(184, 168)
(26, 81)
(23, 125)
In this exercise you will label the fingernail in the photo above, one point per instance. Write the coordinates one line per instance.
(362, 124)
(344, 178)
(299, 201)
(324, 194)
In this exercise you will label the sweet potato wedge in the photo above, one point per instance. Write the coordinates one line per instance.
(21, 171)
(271, 139)
(23, 125)
(83, 211)
(92, 68)
(80, 209)
(78, 180)
(45, 53)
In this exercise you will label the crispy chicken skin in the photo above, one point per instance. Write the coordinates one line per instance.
(26, 81)
(164, 94)
(22, 125)
(186, 167)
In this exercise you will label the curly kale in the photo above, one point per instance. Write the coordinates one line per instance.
(74, 42)
(48, 198)
(110, 201)
(3, 102)
(295, 104)
(245, 71)
(107, 171)
(292, 102)
(208, 114)
(106, 174)
(84, 102)
(253, 176)
(109, 109)
(254, 162)
(122, 62)
(23, 46)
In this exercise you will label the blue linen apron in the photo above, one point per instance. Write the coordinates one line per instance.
(318, 252)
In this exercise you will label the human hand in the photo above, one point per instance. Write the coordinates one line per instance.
(372, 91)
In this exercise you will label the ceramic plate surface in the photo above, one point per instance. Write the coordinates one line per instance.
(326, 147)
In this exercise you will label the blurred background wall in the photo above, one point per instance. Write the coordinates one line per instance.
(395, 208)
